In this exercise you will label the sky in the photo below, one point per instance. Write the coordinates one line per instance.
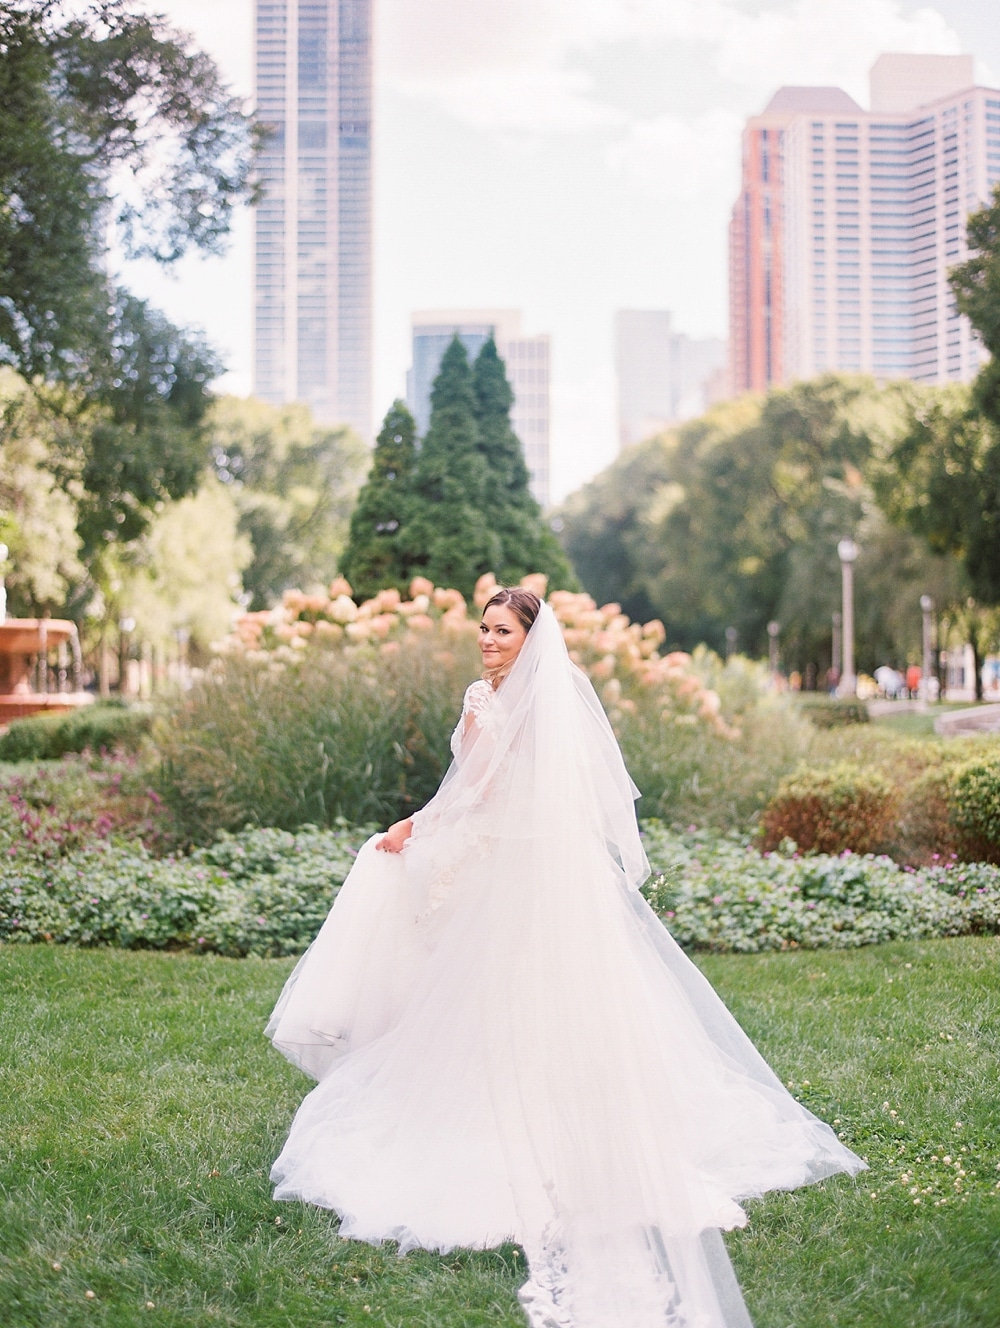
(563, 157)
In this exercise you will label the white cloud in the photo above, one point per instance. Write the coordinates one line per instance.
(517, 63)
(819, 42)
(670, 158)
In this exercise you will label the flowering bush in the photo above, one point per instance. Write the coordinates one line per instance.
(621, 657)
(323, 708)
(719, 893)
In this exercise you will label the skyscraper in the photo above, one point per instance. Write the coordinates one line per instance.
(312, 250)
(527, 364)
(841, 263)
(664, 377)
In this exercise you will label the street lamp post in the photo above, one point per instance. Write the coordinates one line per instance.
(773, 628)
(847, 551)
(926, 608)
(835, 648)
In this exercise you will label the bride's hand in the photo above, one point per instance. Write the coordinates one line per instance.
(395, 837)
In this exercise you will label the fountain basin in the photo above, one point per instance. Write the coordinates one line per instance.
(22, 640)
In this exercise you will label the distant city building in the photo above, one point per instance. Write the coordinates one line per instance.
(527, 363)
(664, 377)
(312, 242)
(849, 220)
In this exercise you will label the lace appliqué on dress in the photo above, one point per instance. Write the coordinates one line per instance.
(478, 702)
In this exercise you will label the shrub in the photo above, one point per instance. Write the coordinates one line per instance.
(830, 712)
(362, 735)
(829, 810)
(719, 893)
(267, 892)
(54, 808)
(975, 809)
(264, 892)
(95, 728)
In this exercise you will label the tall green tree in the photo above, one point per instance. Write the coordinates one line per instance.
(527, 544)
(109, 121)
(107, 117)
(449, 535)
(734, 519)
(941, 479)
(976, 286)
(293, 483)
(376, 557)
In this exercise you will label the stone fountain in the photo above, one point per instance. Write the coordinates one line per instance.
(25, 675)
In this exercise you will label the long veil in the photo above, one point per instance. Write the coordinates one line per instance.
(548, 765)
(510, 1045)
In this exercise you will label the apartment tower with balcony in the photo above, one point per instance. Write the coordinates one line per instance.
(849, 220)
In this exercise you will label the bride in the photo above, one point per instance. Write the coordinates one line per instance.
(508, 1043)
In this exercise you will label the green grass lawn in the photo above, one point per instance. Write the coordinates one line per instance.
(141, 1109)
(913, 724)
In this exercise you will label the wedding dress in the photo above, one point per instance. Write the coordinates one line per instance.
(510, 1046)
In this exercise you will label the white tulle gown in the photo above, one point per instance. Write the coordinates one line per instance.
(510, 1046)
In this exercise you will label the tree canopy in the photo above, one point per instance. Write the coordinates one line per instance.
(293, 483)
(110, 123)
(734, 519)
(976, 286)
(107, 119)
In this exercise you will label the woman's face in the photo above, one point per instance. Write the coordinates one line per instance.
(501, 636)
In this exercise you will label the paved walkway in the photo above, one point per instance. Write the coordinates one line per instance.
(959, 723)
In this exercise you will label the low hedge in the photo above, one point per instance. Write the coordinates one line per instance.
(95, 728)
(266, 892)
(720, 893)
(923, 815)
(831, 712)
(262, 892)
(830, 809)
(974, 809)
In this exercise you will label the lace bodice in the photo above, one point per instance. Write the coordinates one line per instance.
(479, 701)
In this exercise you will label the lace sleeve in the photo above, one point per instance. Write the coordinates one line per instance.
(478, 703)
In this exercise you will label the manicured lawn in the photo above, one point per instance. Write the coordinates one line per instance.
(142, 1108)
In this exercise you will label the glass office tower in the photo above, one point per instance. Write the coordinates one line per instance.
(312, 253)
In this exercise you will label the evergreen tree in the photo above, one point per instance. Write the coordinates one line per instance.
(449, 532)
(526, 542)
(375, 557)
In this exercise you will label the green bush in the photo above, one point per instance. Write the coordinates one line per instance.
(926, 831)
(691, 775)
(829, 810)
(975, 809)
(267, 892)
(830, 712)
(95, 728)
(264, 892)
(361, 734)
(719, 893)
